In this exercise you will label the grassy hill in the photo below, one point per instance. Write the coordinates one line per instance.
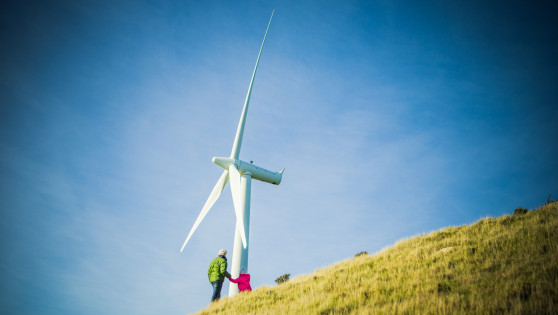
(503, 265)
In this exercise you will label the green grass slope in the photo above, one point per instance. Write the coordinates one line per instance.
(503, 265)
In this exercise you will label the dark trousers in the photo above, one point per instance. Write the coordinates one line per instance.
(217, 286)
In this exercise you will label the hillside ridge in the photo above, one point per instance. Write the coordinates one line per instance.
(507, 264)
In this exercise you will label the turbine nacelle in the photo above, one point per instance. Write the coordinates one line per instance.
(256, 172)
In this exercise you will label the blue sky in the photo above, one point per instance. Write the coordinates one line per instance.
(392, 119)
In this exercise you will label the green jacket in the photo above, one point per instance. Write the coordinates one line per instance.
(218, 269)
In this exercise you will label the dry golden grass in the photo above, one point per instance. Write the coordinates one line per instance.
(503, 265)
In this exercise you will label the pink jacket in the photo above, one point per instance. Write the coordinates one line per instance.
(243, 281)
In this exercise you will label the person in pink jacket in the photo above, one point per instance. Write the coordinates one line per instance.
(243, 281)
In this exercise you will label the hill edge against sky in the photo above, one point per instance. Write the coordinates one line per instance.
(505, 264)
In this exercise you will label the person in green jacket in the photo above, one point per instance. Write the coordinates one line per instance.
(217, 272)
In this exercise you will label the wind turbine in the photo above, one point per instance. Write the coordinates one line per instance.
(240, 174)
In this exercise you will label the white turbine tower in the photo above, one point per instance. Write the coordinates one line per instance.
(240, 174)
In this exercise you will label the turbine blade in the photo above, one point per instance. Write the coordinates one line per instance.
(237, 200)
(240, 131)
(213, 196)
